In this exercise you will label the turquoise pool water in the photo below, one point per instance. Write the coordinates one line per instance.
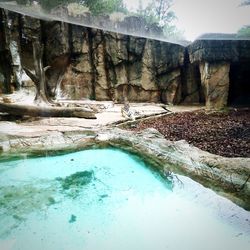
(106, 199)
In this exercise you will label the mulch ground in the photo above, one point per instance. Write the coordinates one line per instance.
(225, 134)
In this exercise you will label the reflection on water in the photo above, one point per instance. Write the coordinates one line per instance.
(108, 199)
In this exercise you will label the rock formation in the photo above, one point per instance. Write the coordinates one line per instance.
(87, 63)
(222, 66)
(215, 82)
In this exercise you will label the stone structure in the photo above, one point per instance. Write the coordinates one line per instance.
(94, 64)
(224, 70)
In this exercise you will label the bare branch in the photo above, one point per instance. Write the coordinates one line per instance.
(31, 76)
(46, 68)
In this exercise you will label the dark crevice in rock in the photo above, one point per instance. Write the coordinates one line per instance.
(71, 47)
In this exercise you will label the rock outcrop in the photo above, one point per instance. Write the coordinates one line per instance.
(87, 63)
(222, 66)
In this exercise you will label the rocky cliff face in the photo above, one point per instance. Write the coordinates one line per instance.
(224, 69)
(94, 64)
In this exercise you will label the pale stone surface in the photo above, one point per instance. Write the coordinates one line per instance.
(108, 113)
(215, 81)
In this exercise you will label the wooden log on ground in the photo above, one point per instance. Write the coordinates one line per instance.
(46, 111)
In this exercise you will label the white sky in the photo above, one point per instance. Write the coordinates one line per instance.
(196, 17)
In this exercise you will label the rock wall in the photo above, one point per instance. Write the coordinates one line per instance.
(215, 82)
(10, 65)
(94, 64)
(224, 69)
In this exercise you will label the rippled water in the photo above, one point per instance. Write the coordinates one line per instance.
(108, 199)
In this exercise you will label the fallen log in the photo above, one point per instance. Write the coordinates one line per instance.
(46, 111)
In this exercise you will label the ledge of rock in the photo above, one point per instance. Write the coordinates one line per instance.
(219, 50)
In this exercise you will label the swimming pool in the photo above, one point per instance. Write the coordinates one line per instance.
(110, 199)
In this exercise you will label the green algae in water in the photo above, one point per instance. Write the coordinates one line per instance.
(76, 180)
(118, 203)
(25, 199)
(73, 185)
(17, 202)
(72, 218)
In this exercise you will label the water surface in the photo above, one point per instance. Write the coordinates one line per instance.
(110, 200)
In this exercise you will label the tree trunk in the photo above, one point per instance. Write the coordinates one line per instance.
(41, 95)
(47, 111)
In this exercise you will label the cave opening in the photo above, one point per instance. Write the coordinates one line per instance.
(239, 90)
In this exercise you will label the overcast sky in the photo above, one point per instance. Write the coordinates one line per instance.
(196, 17)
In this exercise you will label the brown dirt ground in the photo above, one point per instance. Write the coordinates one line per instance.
(226, 134)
